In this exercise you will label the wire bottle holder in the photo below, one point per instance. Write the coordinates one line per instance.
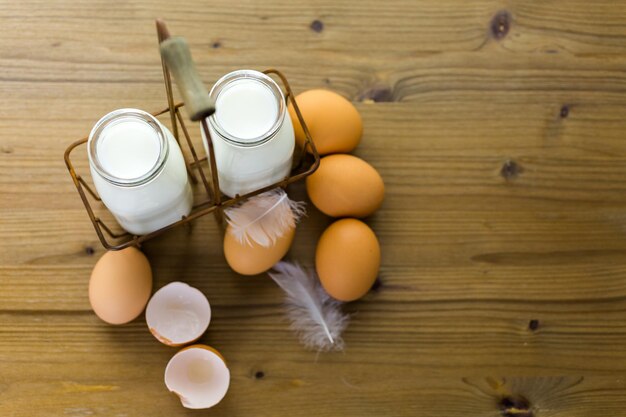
(213, 201)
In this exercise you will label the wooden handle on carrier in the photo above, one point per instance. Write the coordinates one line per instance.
(176, 54)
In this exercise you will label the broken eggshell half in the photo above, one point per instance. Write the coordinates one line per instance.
(178, 314)
(198, 375)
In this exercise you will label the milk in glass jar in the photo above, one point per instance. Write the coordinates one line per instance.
(252, 133)
(139, 171)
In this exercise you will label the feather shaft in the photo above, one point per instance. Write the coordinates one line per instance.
(315, 316)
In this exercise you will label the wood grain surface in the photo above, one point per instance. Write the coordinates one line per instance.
(499, 127)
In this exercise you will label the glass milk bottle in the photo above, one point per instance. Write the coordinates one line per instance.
(252, 133)
(139, 171)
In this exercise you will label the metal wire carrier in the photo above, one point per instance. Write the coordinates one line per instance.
(213, 201)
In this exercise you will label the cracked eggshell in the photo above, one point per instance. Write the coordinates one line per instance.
(198, 375)
(178, 314)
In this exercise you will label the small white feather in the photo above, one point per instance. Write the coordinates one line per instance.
(315, 316)
(264, 218)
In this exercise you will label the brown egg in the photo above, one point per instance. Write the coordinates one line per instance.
(334, 123)
(347, 259)
(345, 186)
(120, 285)
(252, 259)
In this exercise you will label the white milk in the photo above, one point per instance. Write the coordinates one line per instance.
(139, 171)
(246, 109)
(252, 133)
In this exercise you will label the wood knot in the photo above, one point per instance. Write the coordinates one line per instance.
(89, 250)
(6, 149)
(500, 24)
(377, 94)
(259, 374)
(564, 111)
(216, 45)
(317, 26)
(517, 406)
(511, 170)
(533, 325)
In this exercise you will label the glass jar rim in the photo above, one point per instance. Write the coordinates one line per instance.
(115, 117)
(268, 82)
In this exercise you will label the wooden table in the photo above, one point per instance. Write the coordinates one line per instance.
(499, 128)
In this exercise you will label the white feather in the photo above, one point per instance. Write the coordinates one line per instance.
(264, 218)
(315, 316)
